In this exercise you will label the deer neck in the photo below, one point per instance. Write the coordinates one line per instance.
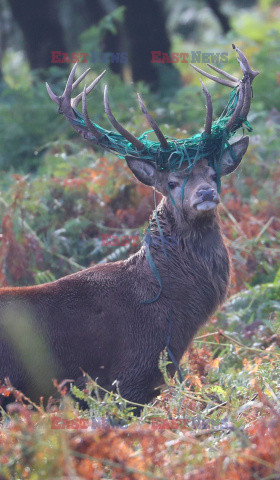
(186, 258)
(191, 236)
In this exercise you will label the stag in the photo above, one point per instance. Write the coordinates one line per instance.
(113, 320)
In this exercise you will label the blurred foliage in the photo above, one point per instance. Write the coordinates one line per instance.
(26, 118)
(92, 38)
(83, 196)
(62, 200)
(222, 422)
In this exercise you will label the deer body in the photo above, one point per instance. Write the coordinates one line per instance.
(97, 320)
(113, 321)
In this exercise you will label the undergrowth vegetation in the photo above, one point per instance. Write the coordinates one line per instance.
(64, 206)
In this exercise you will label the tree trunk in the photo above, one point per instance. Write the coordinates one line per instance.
(41, 29)
(222, 18)
(111, 43)
(144, 31)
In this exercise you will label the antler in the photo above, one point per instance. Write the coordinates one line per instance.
(244, 90)
(209, 109)
(126, 144)
(139, 145)
(153, 123)
(68, 104)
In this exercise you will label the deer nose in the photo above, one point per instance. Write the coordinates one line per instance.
(207, 194)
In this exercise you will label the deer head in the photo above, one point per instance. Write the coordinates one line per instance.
(187, 172)
(189, 194)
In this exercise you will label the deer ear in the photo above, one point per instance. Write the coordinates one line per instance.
(233, 155)
(143, 171)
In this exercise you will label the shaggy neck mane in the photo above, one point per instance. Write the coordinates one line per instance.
(185, 269)
(180, 260)
(185, 231)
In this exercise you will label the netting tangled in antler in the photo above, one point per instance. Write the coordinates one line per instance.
(180, 152)
(169, 153)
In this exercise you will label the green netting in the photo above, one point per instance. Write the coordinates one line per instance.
(181, 152)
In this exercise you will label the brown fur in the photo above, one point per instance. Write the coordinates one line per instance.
(97, 320)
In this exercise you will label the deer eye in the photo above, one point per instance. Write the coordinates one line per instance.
(172, 185)
(214, 177)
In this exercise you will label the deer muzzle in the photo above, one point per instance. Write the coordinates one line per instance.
(207, 199)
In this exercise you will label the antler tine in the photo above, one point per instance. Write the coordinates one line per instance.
(247, 80)
(227, 83)
(153, 123)
(137, 144)
(64, 101)
(222, 72)
(209, 109)
(89, 124)
(237, 110)
(52, 96)
(69, 84)
(81, 77)
(247, 100)
(75, 101)
(245, 64)
(68, 88)
(66, 104)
